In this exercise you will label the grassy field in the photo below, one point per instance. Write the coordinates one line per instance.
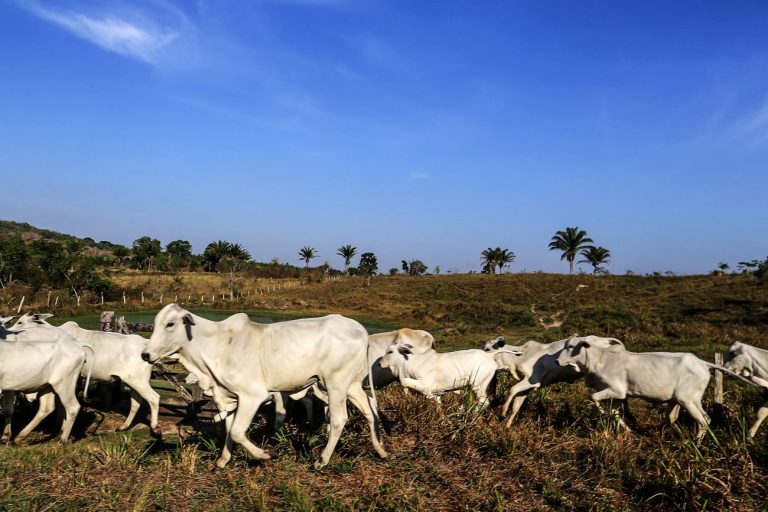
(560, 455)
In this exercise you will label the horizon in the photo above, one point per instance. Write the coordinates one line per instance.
(407, 130)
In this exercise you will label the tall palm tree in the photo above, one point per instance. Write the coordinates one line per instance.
(570, 242)
(347, 252)
(504, 257)
(595, 256)
(307, 253)
(489, 258)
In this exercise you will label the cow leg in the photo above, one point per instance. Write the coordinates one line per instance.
(45, 405)
(517, 395)
(762, 413)
(415, 385)
(627, 412)
(280, 411)
(361, 401)
(9, 400)
(337, 404)
(145, 391)
(674, 412)
(606, 394)
(697, 412)
(226, 450)
(135, 404)
(66, 393)
(247, 405)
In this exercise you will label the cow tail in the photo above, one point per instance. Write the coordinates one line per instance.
(90, 370)
(370, 376)
(734, 374)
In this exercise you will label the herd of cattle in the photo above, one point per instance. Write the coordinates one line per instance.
(240, 364)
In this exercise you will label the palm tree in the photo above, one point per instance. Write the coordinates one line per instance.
(595, 256)
(504, 257)
(307, 253)
(489, 258)
(570, 242)
(347, 252)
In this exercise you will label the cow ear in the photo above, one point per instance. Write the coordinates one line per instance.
(404, 351)
(614, 341)
(585, 344)
(499, 342)
(187, 319)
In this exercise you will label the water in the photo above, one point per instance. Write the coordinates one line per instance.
(148, 317)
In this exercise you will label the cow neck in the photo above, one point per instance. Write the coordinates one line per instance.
(760, 364)
(201, 351)
(595, 358)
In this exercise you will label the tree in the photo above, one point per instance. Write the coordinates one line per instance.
(347, 252)
(232, 262)
(504, 257)
(595, 256)
(414, 267)
(307, 253)
(498, 257)
(213, 254)
(13, 260)
(179, 253)
(488, 258)
(570, 242)
(145, 250)
(120, 252)
(369, 265)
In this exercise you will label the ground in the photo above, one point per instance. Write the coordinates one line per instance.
(560, 454)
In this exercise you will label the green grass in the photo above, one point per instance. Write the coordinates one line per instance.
(560, 454)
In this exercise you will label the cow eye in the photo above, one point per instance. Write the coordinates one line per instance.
(169, 324)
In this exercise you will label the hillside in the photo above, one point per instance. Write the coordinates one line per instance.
(28, 232)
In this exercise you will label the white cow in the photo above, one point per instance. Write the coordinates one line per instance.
(242, 363)
(116, 356)
(750, 362)
(433, 373)
(47, 401)
(535, 365)
(674, 378)
(43, 367)
(419, 341)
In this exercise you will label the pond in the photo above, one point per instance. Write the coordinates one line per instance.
(148, 317)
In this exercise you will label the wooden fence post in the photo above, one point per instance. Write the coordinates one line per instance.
(21, 304)
(718, 411)
(48, 303)
(124, 297)
(142, 296)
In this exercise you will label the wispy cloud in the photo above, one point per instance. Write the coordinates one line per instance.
(752, 129)
(133, 35)
(420, 175)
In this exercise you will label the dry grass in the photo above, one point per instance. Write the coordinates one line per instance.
(560, 455)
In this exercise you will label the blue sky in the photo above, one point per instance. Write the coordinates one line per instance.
(413, 129)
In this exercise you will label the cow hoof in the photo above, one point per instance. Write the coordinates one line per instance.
(121, 429)
(318, 465)
(220, 463)
(156, 433)
(383, 454)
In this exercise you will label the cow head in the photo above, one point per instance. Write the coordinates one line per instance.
(575, 356)
(507, 358)
(172, 331)
(396, 353)
(31, 320)
(738, 359)
(495, 344)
